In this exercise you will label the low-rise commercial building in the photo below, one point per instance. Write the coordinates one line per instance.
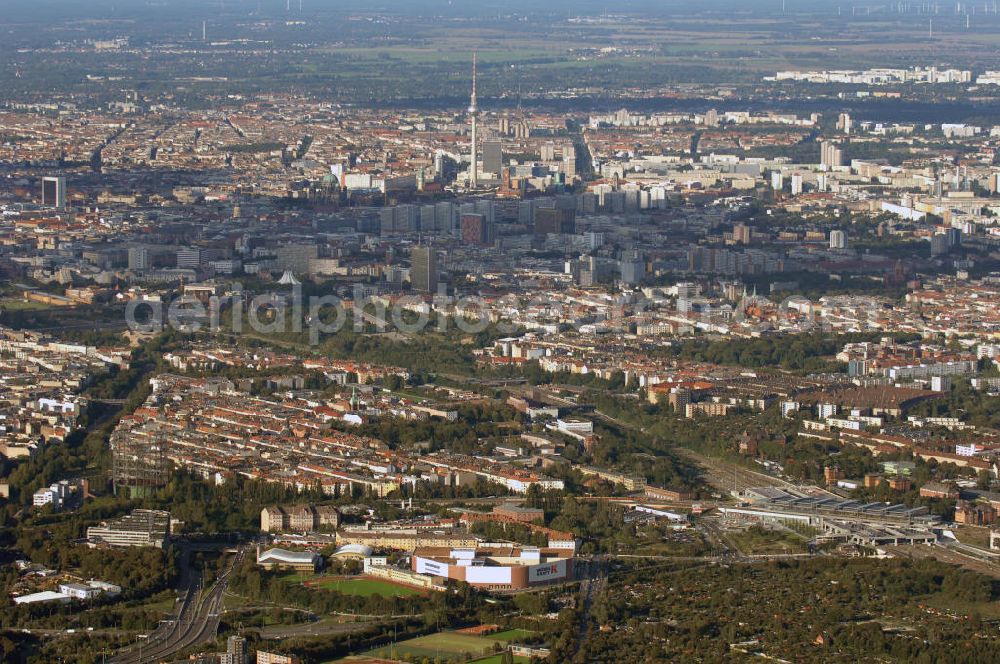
(44, 596)
(495, 567)
(140, 528)
(302, 561)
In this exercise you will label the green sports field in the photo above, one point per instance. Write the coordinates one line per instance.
(363, 587)
(444, 644)
(512, 635)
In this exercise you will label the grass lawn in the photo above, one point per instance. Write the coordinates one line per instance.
(291, 576)
(509, 635)
(691, 545)
(974, 535)
(231, 602)
(413, 396)
(362, 587)
(20, 304)
(445, 644)
(764, 541)
(164, 602)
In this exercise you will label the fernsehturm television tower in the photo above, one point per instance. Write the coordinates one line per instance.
(473, 112)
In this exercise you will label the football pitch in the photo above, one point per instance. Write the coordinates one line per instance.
(363, 587)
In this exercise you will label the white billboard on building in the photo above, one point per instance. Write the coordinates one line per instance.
(547, 572)
(432, 567)
(488, 575)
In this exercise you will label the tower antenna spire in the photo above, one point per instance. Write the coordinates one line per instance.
(472, 107)
(473, 112)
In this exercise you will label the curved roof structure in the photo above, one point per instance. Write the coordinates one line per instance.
(288, 557)
(354, 550)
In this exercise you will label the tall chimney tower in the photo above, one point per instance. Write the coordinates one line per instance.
(473, 112)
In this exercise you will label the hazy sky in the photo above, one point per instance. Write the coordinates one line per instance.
(137, 8)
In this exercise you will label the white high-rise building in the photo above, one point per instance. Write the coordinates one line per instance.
(838, 240)
(831, 156)
(844, 123)
(796, 184)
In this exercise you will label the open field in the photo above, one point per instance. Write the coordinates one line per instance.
(974, 535)
(759, 541)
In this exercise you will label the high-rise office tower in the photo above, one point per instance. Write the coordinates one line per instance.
(554, 220)
(473, 112)
(939, 244)
(632, 267)
(138, 258)
(54, 192)
(423, 269)
(477, 230)
(742, 234)
(492, 157)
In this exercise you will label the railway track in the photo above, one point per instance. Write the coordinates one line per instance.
(196, 622)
